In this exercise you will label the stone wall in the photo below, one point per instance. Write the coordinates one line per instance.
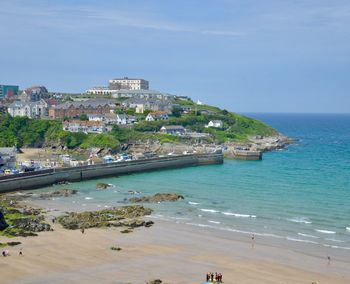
(75, 174)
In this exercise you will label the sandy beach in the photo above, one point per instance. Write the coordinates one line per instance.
(175, 253)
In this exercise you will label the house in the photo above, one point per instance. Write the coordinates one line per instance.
(140, 108)
(97, 127)
(148, 104)
(75, 109)
(33, 94)
(215, 123)
(158, 115)
(29, 109)
(112, 118)
(8, 157)
(207, 112)
(96, 117)
(125, 119)
(173, 129)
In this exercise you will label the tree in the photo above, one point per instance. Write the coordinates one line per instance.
(83, 117)
(176, 111)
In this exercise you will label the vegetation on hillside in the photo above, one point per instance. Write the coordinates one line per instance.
(22, 131)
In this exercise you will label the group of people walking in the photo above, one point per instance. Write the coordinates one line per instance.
(214, 277)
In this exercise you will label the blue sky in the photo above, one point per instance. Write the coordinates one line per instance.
(244, 55)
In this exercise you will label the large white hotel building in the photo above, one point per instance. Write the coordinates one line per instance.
(128, 84)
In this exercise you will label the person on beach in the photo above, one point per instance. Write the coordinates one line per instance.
(208, 276)
(20, 252)
(329, 259)
(82, 230)
(212, 277)
(253, 240)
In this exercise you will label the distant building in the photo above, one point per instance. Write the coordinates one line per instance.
(173, 129)
(8, 91)
(215, 123)
(158, 115)
(8, 157)
(100, 91)
(128, 84)
(142, 94)
(34, 94)
(75, 109)
(112, 118)
(97, 127)
(29, 109)
(144, 104)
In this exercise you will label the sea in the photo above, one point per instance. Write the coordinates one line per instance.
(297, 195)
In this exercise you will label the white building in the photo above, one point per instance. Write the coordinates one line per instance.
(158, 115)
(173, 129)
(100, 91)
(29, 109)
(85, 126)
(215, 123)
(128, 84)
(112, 118)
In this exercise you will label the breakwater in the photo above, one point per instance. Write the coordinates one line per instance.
(47, 177)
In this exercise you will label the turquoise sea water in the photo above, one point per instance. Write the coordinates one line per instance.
(301, 194)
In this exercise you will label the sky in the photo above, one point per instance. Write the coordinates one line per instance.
(242, 55)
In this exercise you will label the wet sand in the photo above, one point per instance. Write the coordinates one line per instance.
(175, 253)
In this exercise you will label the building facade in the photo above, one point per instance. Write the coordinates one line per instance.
(8, 91)
(128, 84)
(158, 115)
(29, 109)
(75, 109)
(96, 127)
(34, 94)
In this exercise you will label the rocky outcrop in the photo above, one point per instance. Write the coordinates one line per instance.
(102, 185)
(3, 224)
(59, 193)
(156, 281)
(158, 197)
(31, 224)
(127, 216)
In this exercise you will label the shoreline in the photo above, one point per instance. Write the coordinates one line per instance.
(172, 252)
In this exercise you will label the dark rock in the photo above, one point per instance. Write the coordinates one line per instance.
(105, 218)
(156, 281)
(59, 193)
(12, 244)
(126, 231)
(3, 224)
(158, 197)
(149, 224)
(102, 185)
(30, 224)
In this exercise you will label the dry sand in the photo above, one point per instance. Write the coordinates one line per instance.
(175, 253)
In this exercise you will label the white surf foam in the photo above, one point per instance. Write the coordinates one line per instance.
(88, 198)
(300, 240)
(214, 222)
(210, 210)
(336, 247)
(335, 240)
(347, 228)
(302, 220)
(193, 203)
(199, 225)
(308, 236)
(325, 231)
(238, 215)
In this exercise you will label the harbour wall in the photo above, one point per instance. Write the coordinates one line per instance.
(48, 177)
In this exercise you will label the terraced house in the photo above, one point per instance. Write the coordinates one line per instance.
(75, 109)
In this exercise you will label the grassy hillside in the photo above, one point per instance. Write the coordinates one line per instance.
(22, 131)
